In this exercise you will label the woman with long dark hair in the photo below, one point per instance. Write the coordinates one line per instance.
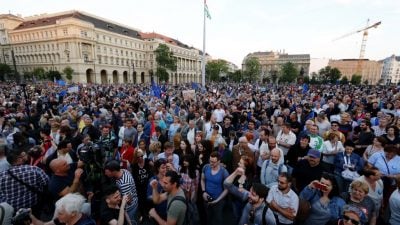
(325, 202)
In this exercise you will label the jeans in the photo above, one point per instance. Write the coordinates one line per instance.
(132, 214)
(214, 212)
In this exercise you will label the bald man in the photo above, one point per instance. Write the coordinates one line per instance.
(271, 168)
(65, 178)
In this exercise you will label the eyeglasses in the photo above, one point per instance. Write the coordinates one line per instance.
(140, 156)
(353, 221)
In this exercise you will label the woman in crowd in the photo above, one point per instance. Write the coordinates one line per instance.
(243, 180)
(126, 154)
(160, 169)
(203, 150)
(323, 196)
(388, 163)
(372, 177)
(332, 147)
(358, 196)
(377, 146)
(190, 176)
(352, 215)
(392, 135)
(184, 149)
(141, 172)
(348, 165)
(154, 149)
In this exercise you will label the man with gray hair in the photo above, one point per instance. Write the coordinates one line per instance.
(68, 211)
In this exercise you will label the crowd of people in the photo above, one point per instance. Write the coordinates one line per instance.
(232, 153)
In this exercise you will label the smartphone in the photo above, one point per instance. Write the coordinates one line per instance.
(321, 186)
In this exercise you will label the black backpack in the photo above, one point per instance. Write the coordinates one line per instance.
(191, 215)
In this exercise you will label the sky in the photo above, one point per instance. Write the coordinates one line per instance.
(239, 27)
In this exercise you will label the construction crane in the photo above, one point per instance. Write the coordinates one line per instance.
(363, 43)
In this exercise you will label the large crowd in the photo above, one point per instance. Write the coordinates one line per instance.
(88, 154)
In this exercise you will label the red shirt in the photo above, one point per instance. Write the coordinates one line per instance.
(127, 153)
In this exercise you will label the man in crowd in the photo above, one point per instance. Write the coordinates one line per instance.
(176, 209)
(283, 200)
(126, 183)
(21, 184)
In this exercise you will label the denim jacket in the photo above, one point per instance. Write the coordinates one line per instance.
(335, 204)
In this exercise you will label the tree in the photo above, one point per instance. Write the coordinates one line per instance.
(53, 75)
(165, 61)
(306, 79)
(344, 80)
(253, 69)
(4, 71)
(39, 73)
(288, 72)
(329, 74)
(215, 68)
(274, 76)
(355, 79)
(235, 76)
(68, 71)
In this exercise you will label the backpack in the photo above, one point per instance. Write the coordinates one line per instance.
(264, 213)
(191, 215)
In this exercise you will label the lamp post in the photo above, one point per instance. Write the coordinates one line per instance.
(133, 73)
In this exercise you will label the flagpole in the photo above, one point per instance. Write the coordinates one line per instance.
(203, 63)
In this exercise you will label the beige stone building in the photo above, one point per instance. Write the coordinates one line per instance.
(271, 62)
(371, 70)
(97, 49)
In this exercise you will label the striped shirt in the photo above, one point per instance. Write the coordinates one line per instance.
(127, 186)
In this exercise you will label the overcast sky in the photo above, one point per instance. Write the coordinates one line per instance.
(239, 27)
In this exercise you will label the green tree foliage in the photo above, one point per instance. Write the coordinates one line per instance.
(39, 73)
(253, 69)
(68, 71)
(288, 73)
(4, 71)
(306, 79)
(53, 74)
(215, 68)
(235, 76)
(274, 76)
(329, 74)
(356, 79)
(165, 61)
(162, 74)
(344, 80)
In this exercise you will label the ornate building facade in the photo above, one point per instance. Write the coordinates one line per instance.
(98, 50)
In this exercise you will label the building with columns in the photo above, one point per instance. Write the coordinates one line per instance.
(97, 49)
(371, 70)
(272, 62)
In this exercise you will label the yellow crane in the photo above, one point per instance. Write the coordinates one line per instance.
(363, 43)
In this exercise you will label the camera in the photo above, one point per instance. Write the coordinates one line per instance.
(209, 198)
(88, 153)
(22, 217)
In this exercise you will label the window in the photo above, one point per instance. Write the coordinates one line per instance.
(99, 59)
(65, 31)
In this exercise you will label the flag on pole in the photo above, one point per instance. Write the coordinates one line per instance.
(155, 89)
(206, 10)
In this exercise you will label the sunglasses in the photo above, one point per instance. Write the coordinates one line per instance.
(353, 221)
(251, 216)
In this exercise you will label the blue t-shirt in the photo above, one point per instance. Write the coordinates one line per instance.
(214, 183)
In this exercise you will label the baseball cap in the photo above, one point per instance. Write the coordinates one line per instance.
(356, 210)
(314, 153)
